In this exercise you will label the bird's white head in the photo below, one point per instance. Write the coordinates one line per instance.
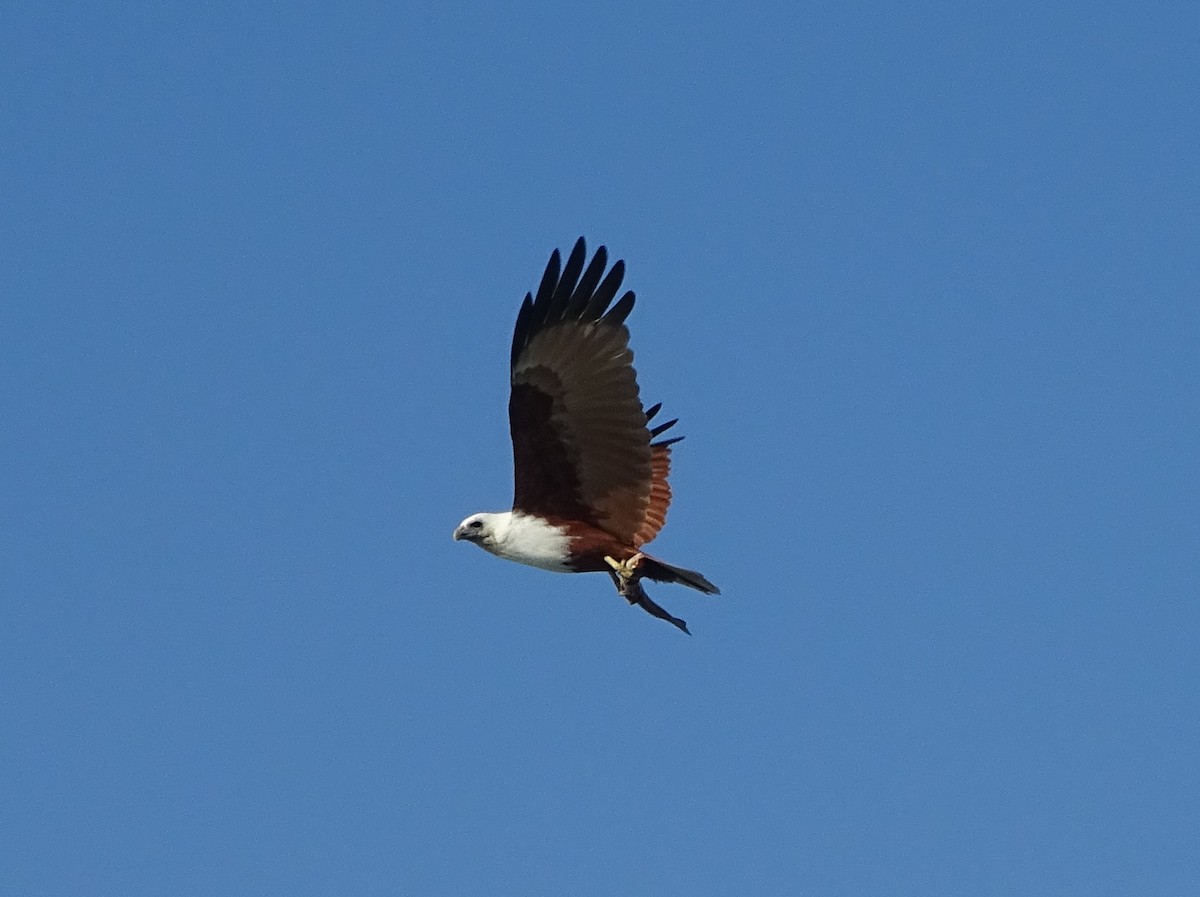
(484, 529)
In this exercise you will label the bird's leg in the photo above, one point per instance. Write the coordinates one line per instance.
(628, 587)
(621, 577)
(627, 569)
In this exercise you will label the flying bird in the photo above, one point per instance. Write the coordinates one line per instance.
(589, 468)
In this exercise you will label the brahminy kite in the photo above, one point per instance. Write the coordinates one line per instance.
(590, 471)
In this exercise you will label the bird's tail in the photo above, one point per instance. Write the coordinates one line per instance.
(659, 571)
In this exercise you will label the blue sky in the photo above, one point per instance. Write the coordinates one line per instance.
(921, 282)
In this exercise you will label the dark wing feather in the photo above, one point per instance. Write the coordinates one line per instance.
(581, 445)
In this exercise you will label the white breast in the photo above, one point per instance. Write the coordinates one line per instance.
(531, 540)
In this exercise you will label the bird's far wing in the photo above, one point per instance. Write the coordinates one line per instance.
(660, 489)
(581, 444)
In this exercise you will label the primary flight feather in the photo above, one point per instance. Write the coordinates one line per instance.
(589, 470)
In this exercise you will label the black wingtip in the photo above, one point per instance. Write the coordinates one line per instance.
(662, 428)
(619, 312)
(587, 284)
(521, 331)
(604, 293)
(549, 278)
(572, 292)
(565, 289)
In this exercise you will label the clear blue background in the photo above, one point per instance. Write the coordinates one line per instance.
(921, 281)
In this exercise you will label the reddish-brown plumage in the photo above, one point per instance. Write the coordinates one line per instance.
(660, 495)
(590, 544)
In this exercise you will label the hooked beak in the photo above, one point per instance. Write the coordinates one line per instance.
(458, 533)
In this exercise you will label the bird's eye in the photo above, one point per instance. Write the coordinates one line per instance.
(475, 524)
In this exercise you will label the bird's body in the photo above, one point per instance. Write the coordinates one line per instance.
(590, 478)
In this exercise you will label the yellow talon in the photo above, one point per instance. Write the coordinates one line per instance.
(624, 569)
